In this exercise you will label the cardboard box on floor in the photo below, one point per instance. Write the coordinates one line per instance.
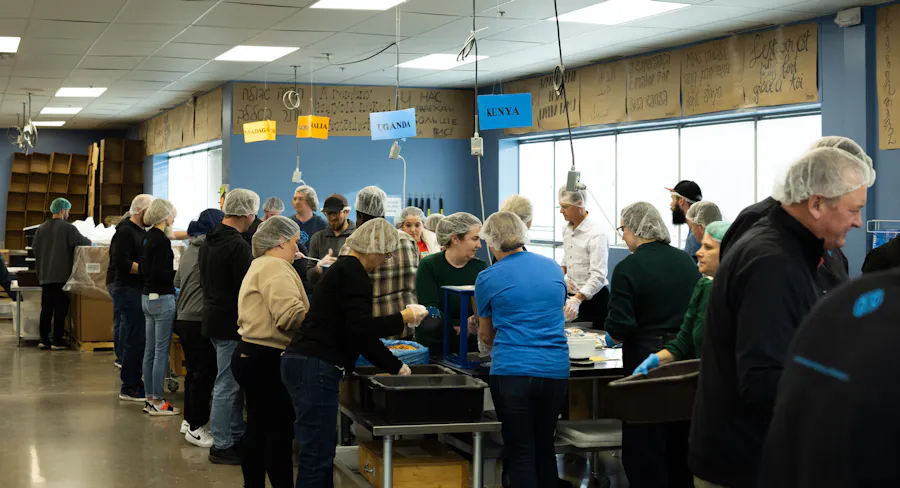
(91, 319)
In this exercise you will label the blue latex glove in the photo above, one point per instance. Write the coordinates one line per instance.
(644, 368)
(609, 341)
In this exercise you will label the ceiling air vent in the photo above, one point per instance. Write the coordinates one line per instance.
(751, 28)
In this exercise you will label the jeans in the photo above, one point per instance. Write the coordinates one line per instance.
(127, 305)
(54, 307)
(313, 386)
(159, 319)
(270, 417)
(227, 414)
(200, 360)
(117, 327)
(528, 408)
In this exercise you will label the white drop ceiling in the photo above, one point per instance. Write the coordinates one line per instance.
(154, 54)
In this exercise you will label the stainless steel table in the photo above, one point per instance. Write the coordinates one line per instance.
(18, 318)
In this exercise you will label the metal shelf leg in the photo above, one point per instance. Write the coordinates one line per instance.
(477, 463)
(388, 475)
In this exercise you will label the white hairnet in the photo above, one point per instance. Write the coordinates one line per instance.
(240, 202)
(274, 204)
(371, 200)
(645, 222)
(824, 171)
(577, 197)
(518, 205)
(504, 231)
(704, 213)
(458, 224)
(432, 221)
(309, 193)
(844, 144)
(275, 231)
(140, 203)
(160, 209)
(376, 236)
(412, 212)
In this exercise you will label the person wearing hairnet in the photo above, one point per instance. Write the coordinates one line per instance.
(338, 328)
(649, 294)
(834, 270)
(432, 221)
(326, 244)
(394, 282)
(684, 195)
(224, 259)
(54, 251)
(125, 251)
(585, 260)
(456, 265)
(158, 302)
(699, 215)
(520, 312)
(271, 306)
(412, 221)
(305, 204)
(521, 206)
(273, 206)
(762, 292)
(687, 344)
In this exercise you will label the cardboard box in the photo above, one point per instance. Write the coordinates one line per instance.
(416, 464)
(176, 358)
(92, 319)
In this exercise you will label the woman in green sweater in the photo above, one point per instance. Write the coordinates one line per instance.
(686, 344)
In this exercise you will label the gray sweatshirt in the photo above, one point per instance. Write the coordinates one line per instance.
(190, 298)
(54, 250)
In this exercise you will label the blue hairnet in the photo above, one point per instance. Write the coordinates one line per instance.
(59, 205)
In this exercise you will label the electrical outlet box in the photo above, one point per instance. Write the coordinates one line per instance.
(395, 151)
(573, 180)
(477, 146)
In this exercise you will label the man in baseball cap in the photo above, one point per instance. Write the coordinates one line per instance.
(685, 194)
(326, 244)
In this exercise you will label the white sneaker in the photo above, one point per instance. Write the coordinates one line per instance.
(185, 427)
(162, 410)
(200, 437)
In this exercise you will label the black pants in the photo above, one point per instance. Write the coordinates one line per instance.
(270, 417)
(200, 360)
(528, 409)
(656, 455)
(596, 309)
(54, 308)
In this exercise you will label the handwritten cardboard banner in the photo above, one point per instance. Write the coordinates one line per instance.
(264, 130)
(887, 33)
(504, 111)
(551, 107)
(312, 127)
(654, 86)
(712, 77)
(396, 124)
(780, 66)
(441, 114)
(603, 93)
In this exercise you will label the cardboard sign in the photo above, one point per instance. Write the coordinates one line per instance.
(264, 130)
(393, 125)
(887, 34)
(712, 76)
(780, 66)
(504, 111)
(312, 127)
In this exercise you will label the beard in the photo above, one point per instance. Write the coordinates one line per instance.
(337, 226)
(678, 216)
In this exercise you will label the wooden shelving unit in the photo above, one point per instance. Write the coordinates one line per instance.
(121, 175)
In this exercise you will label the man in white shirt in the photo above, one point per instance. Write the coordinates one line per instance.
(585, 260)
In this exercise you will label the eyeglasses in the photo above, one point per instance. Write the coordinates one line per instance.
(620, 231)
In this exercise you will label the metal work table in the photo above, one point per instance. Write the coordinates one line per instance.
(18, 318)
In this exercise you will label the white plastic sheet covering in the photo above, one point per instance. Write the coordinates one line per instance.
(97, 233)
(88, 276)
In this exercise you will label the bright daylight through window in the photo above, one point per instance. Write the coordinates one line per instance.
(190, 178)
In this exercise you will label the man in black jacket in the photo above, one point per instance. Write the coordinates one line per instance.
(883, 257)
(125, 252)
(224, 260)
(763, 290)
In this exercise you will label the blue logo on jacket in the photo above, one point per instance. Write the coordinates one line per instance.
(868, 302)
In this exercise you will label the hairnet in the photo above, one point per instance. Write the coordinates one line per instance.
(824, 171)
(458, 224)
(274, 204)
(205, 222)
(275, 231)
(376, 236)
(412, 212)
(160, 209)
(577, 197)
(371, 201)
(140, 203)
(59, 205)
(844, 144)
(645, 222)
(518, 205)
(241, 202)
(309, 193)
(717, 230)
(704, 213)
(504, 231)
(432, 221)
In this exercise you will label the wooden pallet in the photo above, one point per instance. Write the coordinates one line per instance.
(93, 346)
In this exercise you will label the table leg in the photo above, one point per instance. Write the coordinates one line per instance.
(477, 463)
(388, 475)
(18, 319)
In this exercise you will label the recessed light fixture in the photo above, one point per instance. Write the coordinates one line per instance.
(356, 4)
(439, 61)
(60, 110)
(612, 12)
(259, 54)
(49, 123)
(9, 44)
(91, 92)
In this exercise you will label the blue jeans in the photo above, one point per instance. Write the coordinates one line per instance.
(127, 305)
(313, 386)
(160, 320)
(226, 419)
(117, 327)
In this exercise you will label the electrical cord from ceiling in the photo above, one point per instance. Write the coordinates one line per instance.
(328, 56)
(559, 82)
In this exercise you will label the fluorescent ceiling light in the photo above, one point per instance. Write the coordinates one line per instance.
(9, 44)
(60, 110)
(259, 54)
(356, 4)
(439, 61)
(48, 123)
(92, 92)
(612, 12)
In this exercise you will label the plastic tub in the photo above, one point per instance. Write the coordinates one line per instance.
(665, 395)
(591, 434)
(428, 399)
(581, 347)
(360, 393)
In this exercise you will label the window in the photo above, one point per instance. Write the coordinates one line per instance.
(648, 164)
(181, 178)
(779, 142)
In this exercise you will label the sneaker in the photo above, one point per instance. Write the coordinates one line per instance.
(229, 456)
(163, 409)
(200, 438)
(146, 407)
(117, 364)
(185, 427)
(56, 347)
(132, 396)
(43, 346)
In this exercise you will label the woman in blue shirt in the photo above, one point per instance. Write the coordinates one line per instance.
(520, 303)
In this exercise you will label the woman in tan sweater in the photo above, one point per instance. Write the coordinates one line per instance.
(271, 306)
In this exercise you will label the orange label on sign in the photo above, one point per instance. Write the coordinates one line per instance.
(312, 127)
(263, 130)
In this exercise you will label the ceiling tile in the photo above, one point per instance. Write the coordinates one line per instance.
(280, 3)
(325, 20)
(16, 9)
(693, 16)
(763, 4)
(195, 86)
(822, 7)
(120, 31)
(52, 29)
(140, 85)
(164, 11)
(543, 32)
(453, 7)
(729, 26)
(454, 34)
(95, 77)
(451, 76)
(111, 62)
(77, 10)
(54, 61)
(60, 73)
(192, 51)
(492, 47)
(669, 39)
(216, 35)
(111, 47)
(159, 63)
(146, 75)
(35, 85)
(411, 24)
(32, 45)
(533, 9)
(345, 47)
(117, 92)
(622, 35)
(247, 16)
(777, 17)
(12, 27)
(229, 67)
(291, 38)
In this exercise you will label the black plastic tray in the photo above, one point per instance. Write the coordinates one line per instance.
(664, 395)
(428, 399)
(359, 393)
